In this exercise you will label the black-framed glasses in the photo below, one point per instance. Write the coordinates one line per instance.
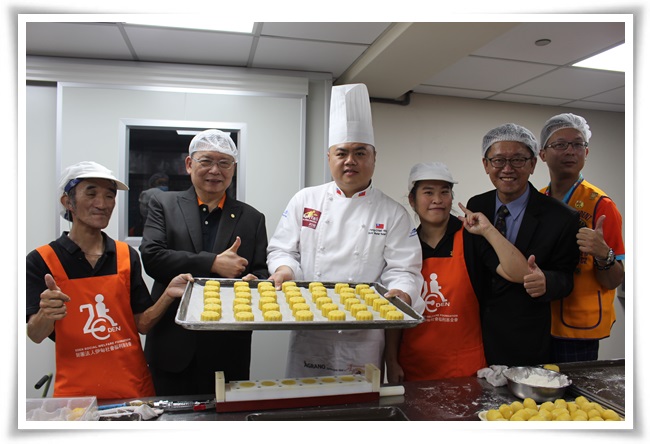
(562, 146)
(515, 162)
(223, 164)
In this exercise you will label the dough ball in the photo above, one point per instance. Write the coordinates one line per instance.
(548, 405)
(559, 411)
(560, 403)
(538, 417)
(516, 405)
(530, 403)
(610, 415)
(552, 367)
(493, 415)
(579, 415)
(506, 411)
(563, 417)
(593, 413)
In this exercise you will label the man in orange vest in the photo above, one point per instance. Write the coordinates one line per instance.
(587, 314)
(85, 291)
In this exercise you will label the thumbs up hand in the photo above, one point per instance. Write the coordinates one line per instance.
(229, 264)
(592, 241)
(53, 300)
(535, 280)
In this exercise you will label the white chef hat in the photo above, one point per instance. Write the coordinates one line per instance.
(350, 117)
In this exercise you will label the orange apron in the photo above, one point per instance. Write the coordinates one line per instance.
(448, 343)
(98, 350)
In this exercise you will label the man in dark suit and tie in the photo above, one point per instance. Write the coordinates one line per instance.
(516, 318)
(204, 232)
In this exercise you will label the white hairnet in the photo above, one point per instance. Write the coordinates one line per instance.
(561, 121)
(214, 140)
(510, 132)
(429, 171)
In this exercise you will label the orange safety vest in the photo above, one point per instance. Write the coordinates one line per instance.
(449, 342)
(588, 312)
(97, 349)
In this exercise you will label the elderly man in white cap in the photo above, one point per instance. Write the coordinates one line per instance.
(205, 232)
(588, 313)
(85, 291)
(346, 231)
(516, 318)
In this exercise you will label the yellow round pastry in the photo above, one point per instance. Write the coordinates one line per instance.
(349, 302)
(265, 285)
(243, 294)
(315, 284)
(272, 315)
(394, 315)
(506, 411)
(359, 287)
(516, 405)
(212, 285)
(318, 293)
(266, 300)
(322, 301)
(369, 298)
(493, 415)
(212, 301)
(610, 415)
(212, 307)
(355, 308)
(363, 315)
(243, 284)
(239, 308)
(211, 294)
(339, 285)
(530, 403)
(552, 367)
(346, 290)
(210, 316)
(287, 285)
(237, 290)
(244, 316)
(326, 308)
(346, 295)
(272, 306)
(336, 315)
(269, 294)
(384, 309)
(292, 294)
(377, 303)
(299, 307)
(296, 300)
(238, 301)
(304, 315)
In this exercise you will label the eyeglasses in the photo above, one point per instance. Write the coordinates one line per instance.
(561, 146)
(515, 162)
(207, 164)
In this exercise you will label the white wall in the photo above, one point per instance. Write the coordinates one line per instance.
(431, 128)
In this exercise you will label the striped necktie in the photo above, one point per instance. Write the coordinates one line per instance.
(500, 223)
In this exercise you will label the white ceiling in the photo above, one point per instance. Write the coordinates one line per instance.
(480, 60)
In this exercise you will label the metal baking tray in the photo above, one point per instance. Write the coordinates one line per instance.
(600, 381)
(191, 305)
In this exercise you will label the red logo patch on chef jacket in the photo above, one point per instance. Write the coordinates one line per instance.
(310, 218)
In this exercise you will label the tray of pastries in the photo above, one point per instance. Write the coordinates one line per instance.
(229, 304)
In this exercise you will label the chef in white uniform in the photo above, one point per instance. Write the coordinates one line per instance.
(346, 231)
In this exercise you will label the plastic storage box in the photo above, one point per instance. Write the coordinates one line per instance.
(62, 409)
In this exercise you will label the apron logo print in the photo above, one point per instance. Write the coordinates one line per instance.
(433, 297)
(310, 218)
(103, 325)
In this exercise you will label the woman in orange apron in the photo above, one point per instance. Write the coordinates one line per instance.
(449, 342)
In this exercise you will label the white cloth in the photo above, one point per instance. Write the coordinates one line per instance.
(145, 411)
(324, 236)
(493, 374)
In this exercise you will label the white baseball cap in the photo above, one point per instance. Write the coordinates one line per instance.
(73, 174)
(350, 116)
(429, 171)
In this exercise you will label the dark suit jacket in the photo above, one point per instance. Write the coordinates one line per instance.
(172, 244)
(517, 328)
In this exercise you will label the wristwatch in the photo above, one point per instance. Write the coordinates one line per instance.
(609, 261)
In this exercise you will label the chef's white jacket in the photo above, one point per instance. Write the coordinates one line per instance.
(324, 236)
